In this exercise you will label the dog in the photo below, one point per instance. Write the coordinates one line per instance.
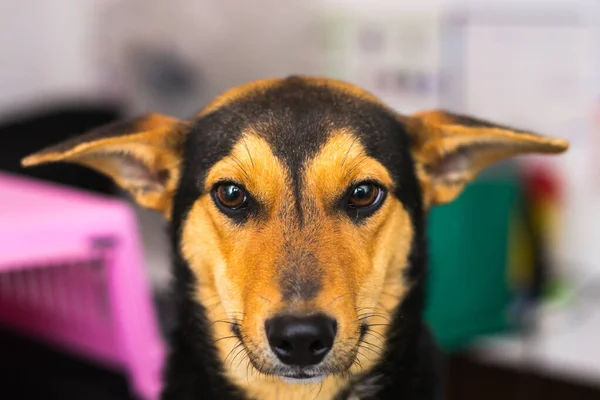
(297, 210)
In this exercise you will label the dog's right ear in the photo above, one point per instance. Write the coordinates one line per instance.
(141, 155)
(449, 150)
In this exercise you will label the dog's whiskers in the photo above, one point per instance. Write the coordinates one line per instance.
(362, 354)
(373, 345)
(225, 338)
(223, 321)
(248, 151)
(359, 309)
(319, 392)
(244, 357)
(241, 350)
(261, 296)
(240, 166)
(249, 368)
(232, 350)
(356, 361)
(362, 317)
(348, 151)
(371, 325)
(336, 299)
(380, 336)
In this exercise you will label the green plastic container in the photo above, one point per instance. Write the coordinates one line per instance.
(469, 292)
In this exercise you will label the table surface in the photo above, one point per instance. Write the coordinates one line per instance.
(566, 345)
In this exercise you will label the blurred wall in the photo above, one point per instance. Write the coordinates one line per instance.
(45, 52)
(96, 49)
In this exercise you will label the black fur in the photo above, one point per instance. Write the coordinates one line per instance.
(296, 118)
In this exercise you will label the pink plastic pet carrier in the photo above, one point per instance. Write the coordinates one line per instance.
(71, 274)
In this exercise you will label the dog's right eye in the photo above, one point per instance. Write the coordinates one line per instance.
(230, 196)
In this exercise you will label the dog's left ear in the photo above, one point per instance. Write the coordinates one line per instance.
(450, 150)
(141, 155)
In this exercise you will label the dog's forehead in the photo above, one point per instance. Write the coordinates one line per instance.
(287, 85)
(296, 117)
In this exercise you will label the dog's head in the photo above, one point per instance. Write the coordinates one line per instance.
(295, 201)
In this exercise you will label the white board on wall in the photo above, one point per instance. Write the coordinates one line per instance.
(536, 68)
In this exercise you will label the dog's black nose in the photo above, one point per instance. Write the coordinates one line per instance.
(301, 341)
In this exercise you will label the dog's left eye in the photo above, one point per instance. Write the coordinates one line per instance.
(363, 195)
(231, 196)
(364, 199)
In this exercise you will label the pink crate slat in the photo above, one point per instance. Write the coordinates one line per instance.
(62, 299)
(58, 283)
(131, 310)
(52, 320)
(17, 249)
(97, 344)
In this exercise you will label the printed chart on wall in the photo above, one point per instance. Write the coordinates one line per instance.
(391, 51)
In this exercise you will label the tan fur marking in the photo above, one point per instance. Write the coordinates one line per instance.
(253, 164)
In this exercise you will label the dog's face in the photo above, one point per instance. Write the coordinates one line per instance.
(296, 202)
